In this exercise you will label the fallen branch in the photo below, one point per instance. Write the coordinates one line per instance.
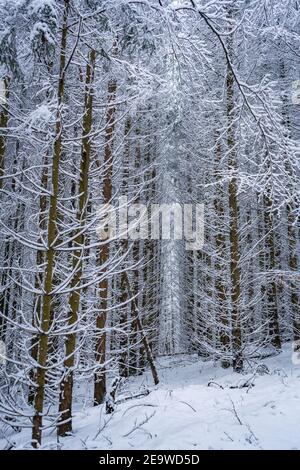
(215, 383)
(235, 412)
(131, 397)
(190, 406)
(139, 425)
(243, 385)
(139, 404)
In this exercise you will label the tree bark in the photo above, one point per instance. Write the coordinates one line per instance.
(66, 386)
(220, 242)
(271, 289)
(38, 283)
(100, 352)
(50, 252)
(234, 222)
(4, 115)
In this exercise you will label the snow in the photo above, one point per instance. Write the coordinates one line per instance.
(2, 92)
(40, 5)
(183, 412)
(41, 115)
(43, 28)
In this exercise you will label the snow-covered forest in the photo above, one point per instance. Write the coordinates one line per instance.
(139, 104)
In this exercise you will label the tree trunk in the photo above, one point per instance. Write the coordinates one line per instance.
(271, 289)
(38, 283)
(292, 230)
(5, 295)
(144, 338)
(234, 222)
(124, 320)
(50, 252)
(100, 353)
(220, 242)
(3, 125)
(66, 386)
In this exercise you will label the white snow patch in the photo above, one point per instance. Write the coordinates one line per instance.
(41, 115)
(183, 412)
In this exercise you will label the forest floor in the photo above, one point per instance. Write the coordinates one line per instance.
(197, 405)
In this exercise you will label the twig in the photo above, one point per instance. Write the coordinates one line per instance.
(131, 397)
(235, 412)
(139, 404)
(139, 426)
(215, 383)
(181, 401)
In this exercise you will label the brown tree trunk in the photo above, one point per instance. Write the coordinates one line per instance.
(144, 340)
(292, 230)
(66, 386)
(293, 262)
(234, 222)
(5, 295)
(124, 317)
(36, 318)
(100, 353)
(3, 125)
(271, 289)
(149, 302)
(133, 352)
(50, 252)
(220, 242)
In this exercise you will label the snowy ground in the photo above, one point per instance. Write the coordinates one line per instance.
(183, 412)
